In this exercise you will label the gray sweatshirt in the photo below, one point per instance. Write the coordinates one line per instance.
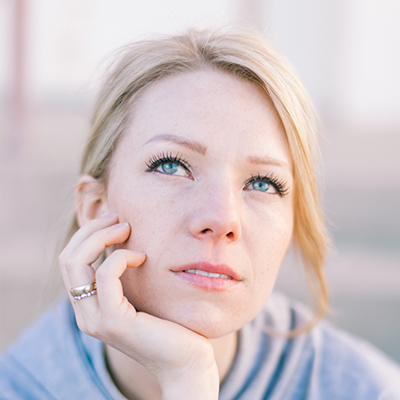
(54, 360)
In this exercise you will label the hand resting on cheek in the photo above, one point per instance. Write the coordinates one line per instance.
(179, 359)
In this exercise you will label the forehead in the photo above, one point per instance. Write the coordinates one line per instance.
(210, 107)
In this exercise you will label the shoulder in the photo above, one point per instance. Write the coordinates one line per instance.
(341, 366)
(46, 358)
(324, 363)
(354, 364)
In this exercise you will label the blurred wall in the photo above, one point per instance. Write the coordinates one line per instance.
(347, 54)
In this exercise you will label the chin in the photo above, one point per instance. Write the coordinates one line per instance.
(210, 331)
(204, 323)
(210, 314)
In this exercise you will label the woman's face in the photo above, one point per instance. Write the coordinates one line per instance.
(204, 177)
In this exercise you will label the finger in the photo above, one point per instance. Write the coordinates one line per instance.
(110, 291)
(88, 229)
(81, 235)
(78, 265)
(78, 272)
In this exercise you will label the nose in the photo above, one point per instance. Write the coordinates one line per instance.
(217, 216)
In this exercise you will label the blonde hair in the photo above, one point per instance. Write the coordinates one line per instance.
(245, 56)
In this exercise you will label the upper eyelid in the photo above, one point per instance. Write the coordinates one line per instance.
(280, 185)
(160, 158)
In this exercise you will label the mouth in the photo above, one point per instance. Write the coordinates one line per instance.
(208, 276)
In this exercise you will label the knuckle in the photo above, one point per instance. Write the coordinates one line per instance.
(109, 327)
(87, 326)
(102, 274)
(81, 324)
(69, 263)
(119, 255)
(62, 258)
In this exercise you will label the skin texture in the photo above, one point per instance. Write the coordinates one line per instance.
(167, 333)
(178, 220)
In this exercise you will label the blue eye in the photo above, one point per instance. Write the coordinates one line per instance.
(169, 165)
(169, 168)
(269, 184)
(261, 186)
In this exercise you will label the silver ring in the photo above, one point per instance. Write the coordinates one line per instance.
(81, 292)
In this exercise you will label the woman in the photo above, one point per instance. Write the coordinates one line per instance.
(197, 177)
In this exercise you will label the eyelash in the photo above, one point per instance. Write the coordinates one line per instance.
(279, 184)
(155, 161)
(161, 158)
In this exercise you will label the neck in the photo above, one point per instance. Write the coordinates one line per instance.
(136, 383)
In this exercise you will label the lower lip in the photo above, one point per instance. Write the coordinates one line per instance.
(206, 282)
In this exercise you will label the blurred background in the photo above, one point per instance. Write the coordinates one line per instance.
(347, 53)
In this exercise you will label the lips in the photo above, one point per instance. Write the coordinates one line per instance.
(208, 276)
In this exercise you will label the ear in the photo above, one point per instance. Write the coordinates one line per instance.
(90, 199)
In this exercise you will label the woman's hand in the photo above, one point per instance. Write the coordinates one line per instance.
(182, 361)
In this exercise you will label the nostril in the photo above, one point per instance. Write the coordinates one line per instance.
(215, 226)
(229, 235)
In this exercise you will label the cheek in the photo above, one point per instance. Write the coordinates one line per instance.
(271, 229)
(151, 214)
(273, 235)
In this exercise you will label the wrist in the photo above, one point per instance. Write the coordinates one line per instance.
(196, 380)
(195, 384)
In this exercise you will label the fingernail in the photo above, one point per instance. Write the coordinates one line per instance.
(120, 225)
(109, 216)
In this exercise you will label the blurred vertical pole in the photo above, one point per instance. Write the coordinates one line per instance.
(18, 92)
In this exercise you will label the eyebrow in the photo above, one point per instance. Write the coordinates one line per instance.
(190, 144)
(201, 149)
(256, 160)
